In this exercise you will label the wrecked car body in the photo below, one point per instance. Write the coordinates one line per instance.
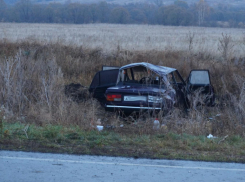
(144, 86)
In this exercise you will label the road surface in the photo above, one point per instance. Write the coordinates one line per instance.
(35, 167)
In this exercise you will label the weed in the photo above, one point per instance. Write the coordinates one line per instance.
(173, 136)
(52, 132)
(235, 139)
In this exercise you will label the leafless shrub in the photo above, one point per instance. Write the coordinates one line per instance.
(26, 83)
(14, 75)
(190, 38)
(196, 99)
(226, 47)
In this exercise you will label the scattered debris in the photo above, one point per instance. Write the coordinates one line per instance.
(164, 127)
(98, 122)
(213, 117)
(100, 128)
(211, 136)
(97, 125)
(223, 139)
(156, 124)
(110, 127)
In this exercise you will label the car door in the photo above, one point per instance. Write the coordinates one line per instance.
(101, 81)
(179, 84)
(199, 81)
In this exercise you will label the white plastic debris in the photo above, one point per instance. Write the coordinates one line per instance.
(211, 136)
(100, 128)
(213, 117)
(156, 124)
(121, 125)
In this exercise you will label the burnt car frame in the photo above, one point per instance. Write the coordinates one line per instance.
(144, 86)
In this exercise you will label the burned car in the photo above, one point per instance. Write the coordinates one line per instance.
(144, 86)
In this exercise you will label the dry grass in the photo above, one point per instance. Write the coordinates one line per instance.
(109, 37)
(34, 71)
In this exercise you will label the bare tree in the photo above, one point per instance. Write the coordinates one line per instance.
(2, 9)
(158, 2)
(24, 8)
(202, 10)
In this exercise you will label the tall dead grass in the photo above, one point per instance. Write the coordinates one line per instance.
(33, 75)
(130, 37)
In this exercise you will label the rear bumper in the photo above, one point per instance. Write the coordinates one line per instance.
(130, 108)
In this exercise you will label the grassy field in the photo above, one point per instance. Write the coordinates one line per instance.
(110, 37)
(37, 60)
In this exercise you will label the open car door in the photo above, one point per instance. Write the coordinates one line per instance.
(199, 82)
(101, 81)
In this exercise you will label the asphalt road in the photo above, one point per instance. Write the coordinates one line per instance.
(35, 167)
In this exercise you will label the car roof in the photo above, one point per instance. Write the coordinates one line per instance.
(160, 70)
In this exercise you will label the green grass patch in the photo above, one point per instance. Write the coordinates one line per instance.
(61, 139)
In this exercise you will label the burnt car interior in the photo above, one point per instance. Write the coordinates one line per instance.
(139, 75)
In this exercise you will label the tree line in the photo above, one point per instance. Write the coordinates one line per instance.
(177, 14)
